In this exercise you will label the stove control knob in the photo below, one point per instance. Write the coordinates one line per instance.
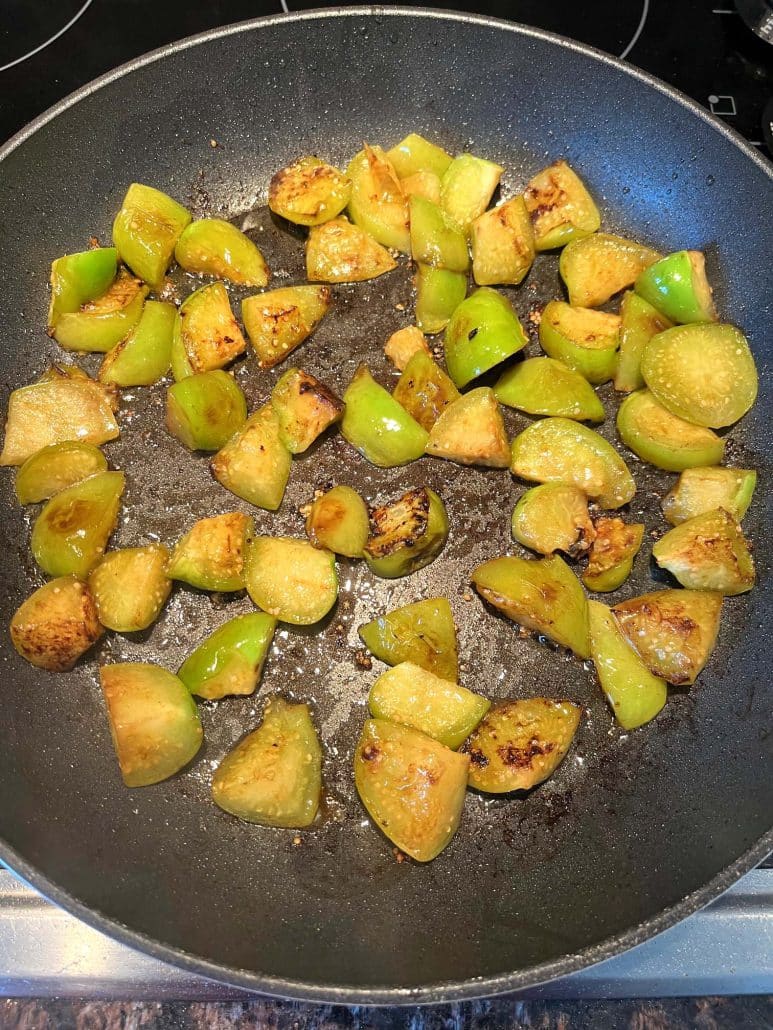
(758, 15)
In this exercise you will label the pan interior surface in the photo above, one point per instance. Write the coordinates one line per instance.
(630, 824)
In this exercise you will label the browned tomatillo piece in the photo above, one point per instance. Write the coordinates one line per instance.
(56, 624)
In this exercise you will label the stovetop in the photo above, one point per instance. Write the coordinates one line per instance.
(48, 48)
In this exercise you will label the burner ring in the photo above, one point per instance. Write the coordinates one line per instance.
(42, 46)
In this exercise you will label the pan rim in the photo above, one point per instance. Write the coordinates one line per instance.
(441, 991)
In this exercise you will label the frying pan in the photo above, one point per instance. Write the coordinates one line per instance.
(635, 830)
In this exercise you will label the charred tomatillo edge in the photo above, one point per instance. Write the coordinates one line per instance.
(55, 410)
(78, 278)
(403, 344)
(154, 723)
(543, 386)
(71, 532)
(206, 335)
(415, 154)
(305, 407)
(438, 294)
(484, 330)
(412, 786)
(544, 596)
(422, 184)
(677, 286)
(471, 431)
(466, 188)
(376, 425)
(230, 660)
(339, 252)
(280, 320)
(308, 192)
(291, 579)
(520, 743)
(407, 534)
(704, 373)
(672, 631)
(557, 449)
(553, 517)
(212, 246)
(435, 238)
(502, 242)
(338, 521)
(255, 464)
(130, 587)
(56, 624)
(699, 490)
(205, 410)
(274, 775)
(412, 696)
(599, 266)
(639, 322)
(145, 355)
(663, 439)
(708, 552)
(146, 230)
(102, 324)
(612, 554)
(56, 467)
(377, 203)
(560, 206)
(212, 554)
(634, 694)
(584, 340)
(424, 390)
(422, 633)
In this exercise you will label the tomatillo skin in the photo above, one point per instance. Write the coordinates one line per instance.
(378, 426)
(677, 286)
(79, 278)
(146, 230)
(205, 410)
(483, 331)
(408, 534)
(438, 294)
(230, 660)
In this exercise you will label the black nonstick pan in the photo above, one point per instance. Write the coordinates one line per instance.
(635, 830)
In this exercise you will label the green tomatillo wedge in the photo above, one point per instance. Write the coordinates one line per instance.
(212, 554)
(502, 242)
(339, 252)
(56, 624)
(407, 534)
(704, 373)
(412, 786)
(305, 408)
(435, 238)
(543, 386)
(611, 556)
(79, 278)
(559, 450)
(415, 154)
(255, 464)
(672, 631)
(520, 743)
(377, 203)
(467, 186)
(700, 490)
(424, 390)
(438, 294)
(484, 330)
(634, 694)
(206, 334)
(154, 723)
(308, 192)
(708, 552)
(677, 286)
(639, 322)
(599, 266)
(204, 411)
(553, 517)
(378, 426)
(291, 579)
(146, 230)
(72, 530)
(663, 439)
(471, 431)
(274, 775)
(560, 207)
(230, 660)
(544, 596)
(56, 467)
(213, 246)
(585, 340)
(280, 320)
(422, 184)
(412, 696)
(403, 344)
(145, 356)
(422, 633)
(338, 521)
(101, 324)
(130, 587)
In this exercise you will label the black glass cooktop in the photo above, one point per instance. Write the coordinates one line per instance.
(48, 48)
